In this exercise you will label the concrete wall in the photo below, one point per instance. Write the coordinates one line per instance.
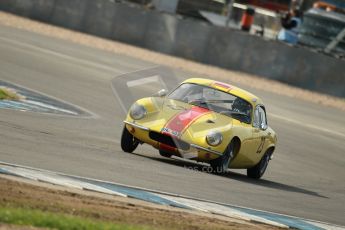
(69, 14)
(99, 18)
(190, 39)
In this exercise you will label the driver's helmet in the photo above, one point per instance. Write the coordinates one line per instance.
(241, 106)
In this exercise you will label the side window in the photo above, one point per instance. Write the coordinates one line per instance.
(260, 120)
(263, 120)
(256, 122)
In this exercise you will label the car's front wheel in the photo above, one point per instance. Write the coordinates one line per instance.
(128, 142)
(221, 164)
(259, 169)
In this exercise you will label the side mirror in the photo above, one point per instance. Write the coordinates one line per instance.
(161, 93)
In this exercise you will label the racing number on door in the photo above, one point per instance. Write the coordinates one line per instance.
(261, 146)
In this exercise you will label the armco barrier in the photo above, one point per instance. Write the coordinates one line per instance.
(190, 39)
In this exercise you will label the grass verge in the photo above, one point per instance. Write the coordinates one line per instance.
(23, 204)
(8, 94)
(37, 218)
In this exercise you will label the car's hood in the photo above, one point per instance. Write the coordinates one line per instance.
(181, 119)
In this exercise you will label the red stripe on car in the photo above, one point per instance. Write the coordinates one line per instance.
(183, 120)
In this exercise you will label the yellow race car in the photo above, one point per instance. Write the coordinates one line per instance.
(207, 121)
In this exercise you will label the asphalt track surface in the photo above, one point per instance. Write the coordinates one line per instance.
(305, 179)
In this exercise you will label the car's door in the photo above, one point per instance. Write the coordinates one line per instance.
(260, 132)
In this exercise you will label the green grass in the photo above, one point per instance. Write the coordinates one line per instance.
(37, 218)
(3, 95)
(8, 94)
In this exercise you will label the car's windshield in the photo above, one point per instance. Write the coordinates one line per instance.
(214, 100)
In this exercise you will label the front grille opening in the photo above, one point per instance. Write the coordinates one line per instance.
(168, 140)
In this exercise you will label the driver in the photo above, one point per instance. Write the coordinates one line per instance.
(241, 106)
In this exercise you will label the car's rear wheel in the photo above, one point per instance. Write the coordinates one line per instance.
(128, 142)
(165, 154)
(259, 169)
(221, 164)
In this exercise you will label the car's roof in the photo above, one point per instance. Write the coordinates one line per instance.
(251, 98)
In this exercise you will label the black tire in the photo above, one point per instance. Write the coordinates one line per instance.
(259, 169)
(165, 154)
(221, 164)
(128, 142)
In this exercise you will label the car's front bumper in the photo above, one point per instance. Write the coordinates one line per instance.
(142, 133)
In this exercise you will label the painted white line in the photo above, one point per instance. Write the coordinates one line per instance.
(89, 113)
(40, 104)
(329, 225)
(319, 128)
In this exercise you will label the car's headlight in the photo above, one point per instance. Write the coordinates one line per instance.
(214, 138)
(137, 112)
